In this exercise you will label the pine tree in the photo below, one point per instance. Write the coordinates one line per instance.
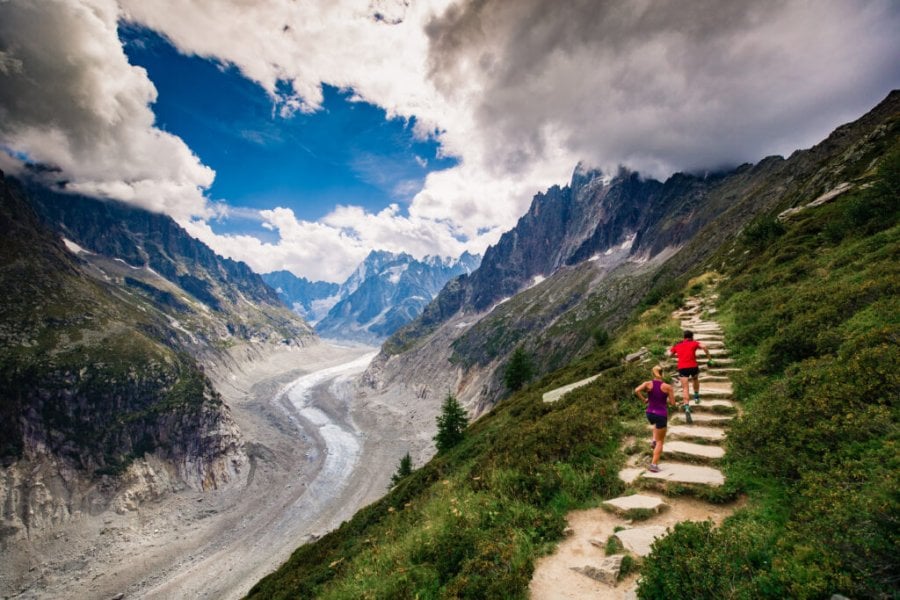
(451, 424)
(519, 370)
(403, 470)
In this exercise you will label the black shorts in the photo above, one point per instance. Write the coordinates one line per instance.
(660, 421)
(689, 372)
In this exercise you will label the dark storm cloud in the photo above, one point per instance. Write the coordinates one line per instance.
(664, 86)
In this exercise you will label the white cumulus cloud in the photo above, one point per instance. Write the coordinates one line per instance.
(518, 92)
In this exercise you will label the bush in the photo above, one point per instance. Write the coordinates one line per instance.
(697, 561)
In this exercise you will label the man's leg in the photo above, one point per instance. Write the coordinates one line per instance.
(685, 389)
(696, 379)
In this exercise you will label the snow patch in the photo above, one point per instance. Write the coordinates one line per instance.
(75, 248)
(127, 265)
(629, 242)
(507, 299)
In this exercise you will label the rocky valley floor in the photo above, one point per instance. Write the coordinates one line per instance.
(314, 460)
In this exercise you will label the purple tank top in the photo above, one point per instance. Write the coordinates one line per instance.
(657, 399)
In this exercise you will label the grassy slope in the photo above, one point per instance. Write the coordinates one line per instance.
(471, 522)
(811, 308)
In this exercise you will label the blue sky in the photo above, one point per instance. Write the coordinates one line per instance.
(346, 153)
(185, 117)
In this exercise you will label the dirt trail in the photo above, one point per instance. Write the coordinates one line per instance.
(688, 463)
(315, 459)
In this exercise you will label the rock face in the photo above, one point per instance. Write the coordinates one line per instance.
(106, 400)
(585, 254)
(212, 302)
(387, 291)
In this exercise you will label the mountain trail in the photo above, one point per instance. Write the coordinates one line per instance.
(588, 563)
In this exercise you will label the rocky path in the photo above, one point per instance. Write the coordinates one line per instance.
(588, 562)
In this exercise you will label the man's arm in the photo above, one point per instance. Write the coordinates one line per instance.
(703, 347)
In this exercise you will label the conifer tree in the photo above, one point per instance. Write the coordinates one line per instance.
(403, 470)
(519, 370)
(451, 424)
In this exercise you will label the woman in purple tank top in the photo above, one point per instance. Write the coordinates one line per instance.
(659, 394)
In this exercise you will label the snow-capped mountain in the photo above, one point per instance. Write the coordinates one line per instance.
(387, 291)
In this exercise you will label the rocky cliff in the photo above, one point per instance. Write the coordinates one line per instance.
(585, 254)
(103, 361)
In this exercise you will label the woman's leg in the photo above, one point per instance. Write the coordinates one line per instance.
(659, 435)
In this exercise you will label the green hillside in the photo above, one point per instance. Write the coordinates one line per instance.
(811, 307)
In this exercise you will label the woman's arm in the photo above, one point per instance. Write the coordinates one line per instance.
(639, 389)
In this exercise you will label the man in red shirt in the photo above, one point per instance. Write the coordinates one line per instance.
(686, 351)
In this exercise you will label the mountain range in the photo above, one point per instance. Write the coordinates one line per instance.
(798, 259)
(584, 255)
(385, 292)
(112, 320)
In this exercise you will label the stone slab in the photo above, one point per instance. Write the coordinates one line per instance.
(606, 572)
(709, 337)
(639, 539)
(680, 432)
(702, 418)
(554, 395)
(684, 473)
(717, 388)
(691, 449)
(630, 474)
(710, 404)
(639, 501)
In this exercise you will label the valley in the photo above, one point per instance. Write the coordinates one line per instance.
(313, 461)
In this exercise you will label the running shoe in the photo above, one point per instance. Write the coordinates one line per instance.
(696, 397)
(687, 414)
(654, 468)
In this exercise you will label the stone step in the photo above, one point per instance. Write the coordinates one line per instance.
(705, 392)
(701, 326)
(695, 432)
(554, 395)
(626, 505)
(712, 343)
(685, 473)
(606, 572)
(719, 388)
(638, 540)
(706, 338)
(691, 450)
(720, 370)
(702, 418)
(716, 405)
(719, 361)
(699, 320)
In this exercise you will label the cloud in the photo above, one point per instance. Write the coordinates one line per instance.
(331, 249)
(518, 92)
(69, 98)
(664, 86)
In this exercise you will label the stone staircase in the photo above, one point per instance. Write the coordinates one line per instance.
(660, 500)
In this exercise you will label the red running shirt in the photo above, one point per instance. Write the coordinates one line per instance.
(686, 350)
